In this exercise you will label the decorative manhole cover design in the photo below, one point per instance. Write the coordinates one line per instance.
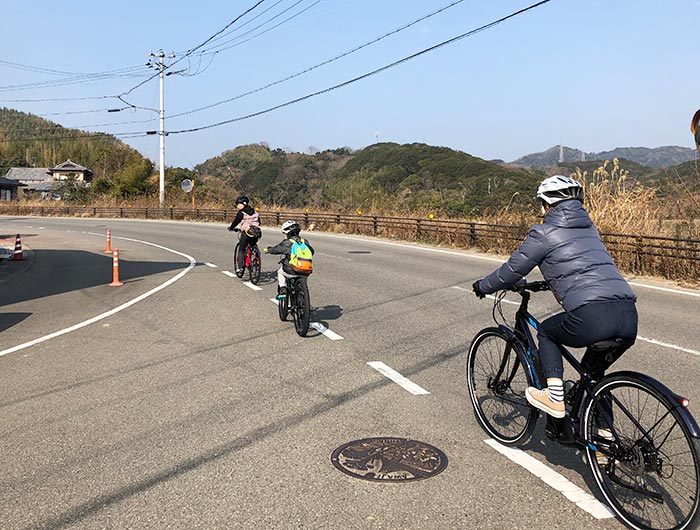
(389, 459)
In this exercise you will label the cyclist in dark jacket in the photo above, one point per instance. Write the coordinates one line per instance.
(291, 230)
(245, 219)
(598, 303)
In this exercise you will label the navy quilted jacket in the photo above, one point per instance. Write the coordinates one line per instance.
(572, 258)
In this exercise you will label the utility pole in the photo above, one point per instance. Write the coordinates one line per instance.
(161, 69)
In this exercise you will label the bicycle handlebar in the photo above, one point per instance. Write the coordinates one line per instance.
(535, 287)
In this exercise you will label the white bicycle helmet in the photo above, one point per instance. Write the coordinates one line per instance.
(290, 227)
(559, 188)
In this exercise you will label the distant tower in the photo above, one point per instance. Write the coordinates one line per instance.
(561, 153)
(583, 156)
(376, 137)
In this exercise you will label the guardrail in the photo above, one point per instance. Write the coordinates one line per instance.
(672, 258)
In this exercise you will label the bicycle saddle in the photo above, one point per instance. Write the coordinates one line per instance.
(611, 344)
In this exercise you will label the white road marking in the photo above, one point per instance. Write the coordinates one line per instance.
(252, 286)
(211, 265)
(486, 258)
(559, 482)
(397, 378)
(229, 273)
(317, 326)
(492, 297)
(667, 345)
(324, 329)
(116, 309)
(665, 289)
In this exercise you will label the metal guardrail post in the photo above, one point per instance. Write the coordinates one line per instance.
(419, 230)
(472, 234)
(306, 219)
(171, 213)
(121, 212)
(374, 224)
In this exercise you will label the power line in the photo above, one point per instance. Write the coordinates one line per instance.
(337, 57)
(190, 52)
(369, 74)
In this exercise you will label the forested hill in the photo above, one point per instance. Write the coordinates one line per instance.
(27, 140)
(383, 177)
(656, 158)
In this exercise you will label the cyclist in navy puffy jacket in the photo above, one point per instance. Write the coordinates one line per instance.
(598, 303)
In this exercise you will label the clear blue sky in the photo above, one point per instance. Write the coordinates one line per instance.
(589, 74)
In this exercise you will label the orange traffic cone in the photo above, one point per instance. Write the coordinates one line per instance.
(108, 250)
(17, 255)
(115, 269)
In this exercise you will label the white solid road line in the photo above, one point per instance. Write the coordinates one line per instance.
(666, 289)
(397, 378)
(667, 345)
(116, 309)
(559, 482)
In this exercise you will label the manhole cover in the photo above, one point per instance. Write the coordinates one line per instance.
(389, 459)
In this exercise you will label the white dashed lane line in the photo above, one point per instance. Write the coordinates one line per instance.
(211, 265)
(317, 326)
(229, 274)
(559, 482)
(397, 378)
(252, 286)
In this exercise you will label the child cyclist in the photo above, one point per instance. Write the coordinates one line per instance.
(291, 230)
(247, 221)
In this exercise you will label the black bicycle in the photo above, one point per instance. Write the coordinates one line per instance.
(298, 303)
(252, 262)
(641, 442)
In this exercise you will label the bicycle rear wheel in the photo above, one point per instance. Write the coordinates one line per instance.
(647, 465)
(302, 306)
(254, 268)
(497, 381)
(236, 250)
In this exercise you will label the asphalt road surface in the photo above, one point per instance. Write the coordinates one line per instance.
(180, 400)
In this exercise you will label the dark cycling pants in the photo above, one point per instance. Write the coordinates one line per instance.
(582, 327)
(244, 242)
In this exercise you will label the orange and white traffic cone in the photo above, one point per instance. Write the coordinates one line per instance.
(108, 250)
(17, 255)
(115, 269)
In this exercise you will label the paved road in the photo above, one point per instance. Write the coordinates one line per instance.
(195, 407)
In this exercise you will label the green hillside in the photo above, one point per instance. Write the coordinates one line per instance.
(30, 141)
(383, 177)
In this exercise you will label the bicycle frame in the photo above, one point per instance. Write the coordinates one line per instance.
(521, 332)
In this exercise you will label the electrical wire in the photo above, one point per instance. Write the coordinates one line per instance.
(190, 52)
(366, 75)
(328, 61)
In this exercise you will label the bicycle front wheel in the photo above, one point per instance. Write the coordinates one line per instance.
(646, 463)
(497, 380)
(236, 250)
(254, 268)
(302, 306)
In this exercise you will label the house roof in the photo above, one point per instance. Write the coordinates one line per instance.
(9, 182)
(68, 165)
(28, 175)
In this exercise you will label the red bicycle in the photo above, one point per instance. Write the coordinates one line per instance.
(252, 262)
